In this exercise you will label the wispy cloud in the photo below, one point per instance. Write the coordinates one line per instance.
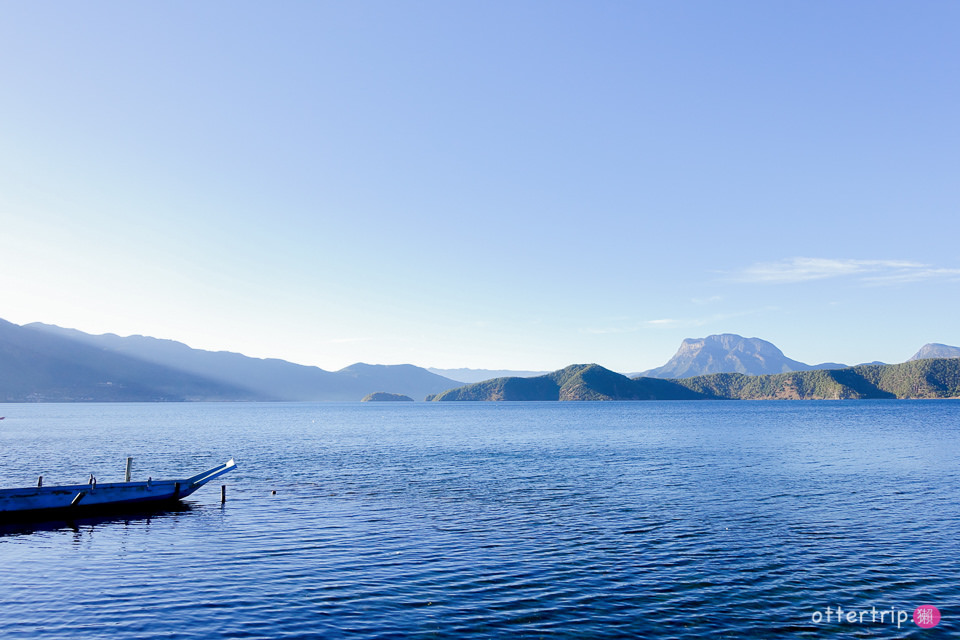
(634, 327)
(701, 321)
(663, 322)
(602, 331)
(869, 271)
(675, 323)
(913, 275)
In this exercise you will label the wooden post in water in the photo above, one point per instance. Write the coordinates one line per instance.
(223, 493)
(39, 482)
(126, 475)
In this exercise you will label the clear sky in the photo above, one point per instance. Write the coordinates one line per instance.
(488, 184)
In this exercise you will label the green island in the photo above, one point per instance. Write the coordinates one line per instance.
(933, 378)
(383, 396)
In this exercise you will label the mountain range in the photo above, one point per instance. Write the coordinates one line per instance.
(576, 382)
(933, 378)
(45, 363)
(40, 362)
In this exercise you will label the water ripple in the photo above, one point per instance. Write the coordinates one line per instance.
(672, 520)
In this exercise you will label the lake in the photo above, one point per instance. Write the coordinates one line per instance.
(494, 520)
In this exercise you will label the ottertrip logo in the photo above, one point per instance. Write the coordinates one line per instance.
(925, 616)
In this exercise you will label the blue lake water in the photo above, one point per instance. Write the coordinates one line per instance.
(494, 520)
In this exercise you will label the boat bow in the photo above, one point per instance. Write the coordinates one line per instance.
(192, 484)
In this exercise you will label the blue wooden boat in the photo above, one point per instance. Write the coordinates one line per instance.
(67, 501)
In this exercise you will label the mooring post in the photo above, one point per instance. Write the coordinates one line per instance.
(126, 475)
(39, 482)
(223, 493)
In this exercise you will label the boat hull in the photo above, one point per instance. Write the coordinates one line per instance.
(83, 499)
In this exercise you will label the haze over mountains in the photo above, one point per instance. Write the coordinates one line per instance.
(479, 375)
(40, 362)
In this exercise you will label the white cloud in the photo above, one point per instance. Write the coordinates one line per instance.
(688, 323)
(664, 322)
(677, 323)
(602, 331)
(870, 271)
(913, 275)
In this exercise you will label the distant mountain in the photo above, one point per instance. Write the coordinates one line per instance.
(479, 375)
(44, 363)
(36, 366)
(402, 379)
(729, 353)
(152, 369)
(576, 382)
(938, 378)
(936, 350)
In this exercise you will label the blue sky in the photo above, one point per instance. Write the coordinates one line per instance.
(484, 184)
